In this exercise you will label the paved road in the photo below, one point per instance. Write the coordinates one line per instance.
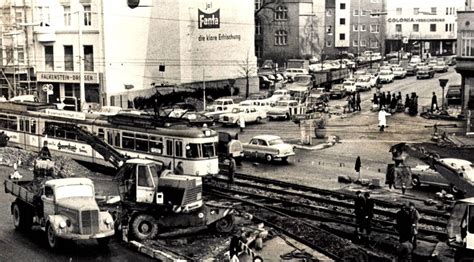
(17, 246)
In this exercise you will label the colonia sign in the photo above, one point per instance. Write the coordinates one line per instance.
(209, 21)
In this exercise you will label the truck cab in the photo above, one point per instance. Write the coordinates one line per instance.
(146, 181)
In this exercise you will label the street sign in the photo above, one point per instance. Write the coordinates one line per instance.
(405, 40)
(48, 88)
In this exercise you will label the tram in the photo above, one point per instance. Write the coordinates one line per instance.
(132, 135)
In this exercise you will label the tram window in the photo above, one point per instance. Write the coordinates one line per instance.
(22, 125)
(128, 141)
(101, 133)
(12, 123)
(70, 136)
(208, 150)
(192, 150)
(143, 177)
(117, 139)
(27, 125)
(169, 147)
(156, 145)
(60, 133)
(3, 121)
(110, 138)
(48, 130)
(178, 148)
(141, 144)
(33, 127)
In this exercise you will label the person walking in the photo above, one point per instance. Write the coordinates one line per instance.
(390, 178)
(232, 168)
(388, 99)
(241, 122)
(357, 168)
(393, 104)
(414, 218)
(375, 99)
(358, 101)
(353, 102)
(399, 97)
(404, 224)
(382, 117)
(369, 213)
(407, 101)
(434, 102)
(349, 104)
(359, 206)
(382, 100)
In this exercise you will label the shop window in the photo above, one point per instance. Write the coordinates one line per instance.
(88, 58)
(281, 13)
(281, 37)
(49, 57)
(68, 58)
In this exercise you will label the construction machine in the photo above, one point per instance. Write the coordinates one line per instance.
(152, 197)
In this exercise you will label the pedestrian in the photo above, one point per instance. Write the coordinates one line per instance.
(231, 171)
(375, 100)
(44, 153)
(393, 104)
(404, 224)
(359, 206)
(388, 99)
(369, 213)
(414, 218)
(353, 102)
(434, 102)
(234, 247)
(358, 101)
(357, 168)
(349, 104)
(404, 252)
(407, 101)
(382, 117)
(179, 170)
(241, 122)
(382, 100)
(390, 178)
(399, 97)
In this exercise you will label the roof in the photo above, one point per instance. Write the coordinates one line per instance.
(266, 137)
(69, 181)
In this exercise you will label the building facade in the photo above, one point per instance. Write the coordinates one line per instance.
(288, 29)
(126, 52)
(422, 27)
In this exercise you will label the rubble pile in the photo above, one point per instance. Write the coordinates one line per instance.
(64, 167)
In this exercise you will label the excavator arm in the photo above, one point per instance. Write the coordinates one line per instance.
(107, 151)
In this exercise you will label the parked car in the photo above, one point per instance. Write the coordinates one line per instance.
(292, 72)
(399, 72)
(453, 95)
(365, 83)
(268, 147)
(262, 105)
(350, 86)
(441, 67)
(411, 70)
(265, 83)
(386, 76)
(338, 90)
(425, 175)
(219, 107)
(250, 114)
(425, 72)
(280, 94)
(284, 109)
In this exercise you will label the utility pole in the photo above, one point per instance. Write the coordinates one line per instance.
(204, 88)
(82, 91)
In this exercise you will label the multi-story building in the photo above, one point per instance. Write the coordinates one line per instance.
(422, 27)
(126, 52)
(288, 29)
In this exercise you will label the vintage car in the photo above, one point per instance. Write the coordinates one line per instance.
(284, 109)
(280, 94)
(399, 72)
(262, 105)
(425, 72)
(250, 114)
(411, 70)
(338, 91)
(386, 76)
(350, 86)
(268, 147)
(365, 82)
(440, 67)
(453, 95)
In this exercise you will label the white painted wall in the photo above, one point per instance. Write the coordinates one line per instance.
(342, 29)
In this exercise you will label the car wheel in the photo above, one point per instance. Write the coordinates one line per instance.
(415, 181)
(258, 120)
(225, 224)
(52, 238)
(269, 158)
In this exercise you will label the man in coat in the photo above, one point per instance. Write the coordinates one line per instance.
(359, 206)
(414, 217)
(369, 213)
(404, 227)
(434, 102)
(382, 100)
(382, 117)
(357, 168)
(388, 99)
(358, 101)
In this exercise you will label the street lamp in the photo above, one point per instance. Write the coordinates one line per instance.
(442, 83)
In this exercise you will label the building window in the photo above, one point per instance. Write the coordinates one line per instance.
(258, 4)
(18, 19)
(355, 27)
(363, 27)
(342, 36)
(363, 43)
(342, 21)
(44, 17)
(67, 16)
(87, 15)
(88, 58)
(68, 58)
(416, 11)
(329, 30)
(398, 28)
(432, 27)
(328, 43)
(356, 12)
(258, 51)
(342, 6)
(433, 10)
(374, 44)
(364, 12)
(447, 10)
(446, 27)
(416, 28)
(329, 12)
(467, 43)
(281, 37)
(258, 27)
(399, 11)
(49, 58)
(355, 43)
(281, 13)
(375, 28)
(21, 54)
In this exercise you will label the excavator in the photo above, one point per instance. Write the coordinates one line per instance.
(152, 197)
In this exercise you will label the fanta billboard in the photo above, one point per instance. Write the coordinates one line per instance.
(209, 20)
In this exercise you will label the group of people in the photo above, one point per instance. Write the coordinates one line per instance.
(364, 211)
(407, 226)
(387, 101)
(388, 104)
(353, 102)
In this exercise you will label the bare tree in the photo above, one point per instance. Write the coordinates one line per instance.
(247, 69)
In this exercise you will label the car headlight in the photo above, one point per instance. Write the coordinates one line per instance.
(108, 221)
(62, 224)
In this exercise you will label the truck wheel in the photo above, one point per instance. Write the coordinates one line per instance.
(144, 227)
(225, 225)
(22, 219)
(103, 242)
(415, 181)
(269, 158)
(53, 240)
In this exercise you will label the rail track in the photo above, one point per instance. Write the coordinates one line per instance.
(324, 205)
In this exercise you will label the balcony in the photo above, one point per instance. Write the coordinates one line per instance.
(45, 34)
